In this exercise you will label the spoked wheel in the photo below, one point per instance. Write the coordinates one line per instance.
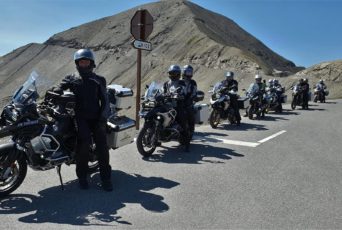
(214, 119)
(146, 140)
(12, 176)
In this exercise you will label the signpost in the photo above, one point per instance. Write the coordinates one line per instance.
(142, 45)
(141, 28)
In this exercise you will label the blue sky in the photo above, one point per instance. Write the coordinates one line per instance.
(306, 32)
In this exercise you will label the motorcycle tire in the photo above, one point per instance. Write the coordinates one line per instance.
(293, 104)
(16, 176)
(315, 99)
(141, 141)
(214, 119)
(250, 112)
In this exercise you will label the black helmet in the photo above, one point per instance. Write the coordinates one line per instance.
(188, 71)
(84, 54)
(229, 74)
(174, 72)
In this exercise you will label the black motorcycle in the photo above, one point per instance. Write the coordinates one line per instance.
(160, 123)
(222, 108)
(41, 135)
(257, 105)
(297, 97)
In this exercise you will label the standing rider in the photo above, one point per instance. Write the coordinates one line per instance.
(190, 95)
(306, 88)
(175, 85)
(91, 113)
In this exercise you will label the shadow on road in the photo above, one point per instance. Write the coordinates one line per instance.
(331, 102)
(88, 207)
(198, 152)
(243, 127)
(289, 112)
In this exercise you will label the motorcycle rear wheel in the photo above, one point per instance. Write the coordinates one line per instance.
(144, 141)
(214, 119)
(16, 176)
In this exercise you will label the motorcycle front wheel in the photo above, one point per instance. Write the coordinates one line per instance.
(214, 118)
(13, 176)
(250, 112)
(294, 103)
(145, 143)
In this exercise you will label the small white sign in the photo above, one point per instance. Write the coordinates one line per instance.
(143, 45)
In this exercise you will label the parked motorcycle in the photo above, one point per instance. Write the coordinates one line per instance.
(221, 105)
(42, 135)
(256, 104)
(275, 96)
(160, 125)
(320, 93)
(297, 97)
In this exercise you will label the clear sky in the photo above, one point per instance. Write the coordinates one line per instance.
(306, 32)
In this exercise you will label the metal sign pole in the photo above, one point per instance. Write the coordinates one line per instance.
(141, 28)
(137, 118)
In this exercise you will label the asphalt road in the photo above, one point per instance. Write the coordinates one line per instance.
(280, 172)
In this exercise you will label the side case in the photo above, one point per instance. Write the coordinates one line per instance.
(121, 131)
(120, 96)
(201, 113)
(243, 102)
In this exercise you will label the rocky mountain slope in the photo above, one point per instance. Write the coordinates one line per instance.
(184, 33)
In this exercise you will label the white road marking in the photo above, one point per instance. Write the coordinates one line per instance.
(244, 143)
(272, 136)
(241, 143)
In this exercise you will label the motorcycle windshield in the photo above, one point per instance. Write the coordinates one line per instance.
(27, 93)
(217, 87)
(253, 88)
(154, 89)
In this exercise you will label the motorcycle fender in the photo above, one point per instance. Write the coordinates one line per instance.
(4, 148)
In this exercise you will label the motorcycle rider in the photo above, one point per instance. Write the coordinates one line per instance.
(261, 90)
(190, 95)
(276, 83)
(91, 113)
(306, 88)
(231, 84)
(174, 73)
(321, 85)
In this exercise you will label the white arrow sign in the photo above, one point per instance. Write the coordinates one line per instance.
(142, 45)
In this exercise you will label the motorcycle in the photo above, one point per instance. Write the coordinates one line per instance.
(160, 124)
(222, 108)
(320, 92)
(42, 135)
(297, 97)
(275, 97)
(256, 104)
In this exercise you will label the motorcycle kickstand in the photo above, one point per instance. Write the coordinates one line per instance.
(58, 168)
